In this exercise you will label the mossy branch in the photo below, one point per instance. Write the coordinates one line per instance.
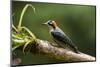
(67, 55)
(47, 48)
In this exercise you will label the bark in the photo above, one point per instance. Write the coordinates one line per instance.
(46, 48)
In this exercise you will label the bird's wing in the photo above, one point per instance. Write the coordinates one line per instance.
(62, 38)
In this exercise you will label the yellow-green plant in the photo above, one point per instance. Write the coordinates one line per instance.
(21, 35)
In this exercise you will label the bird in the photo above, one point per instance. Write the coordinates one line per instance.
(60, 37)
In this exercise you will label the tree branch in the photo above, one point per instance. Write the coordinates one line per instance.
(46, 48)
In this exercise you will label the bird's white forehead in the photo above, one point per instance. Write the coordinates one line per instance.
(50, 21)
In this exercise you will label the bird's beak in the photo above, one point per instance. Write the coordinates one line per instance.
(44, 23)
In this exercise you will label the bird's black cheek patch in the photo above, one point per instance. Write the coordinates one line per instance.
(52, 25)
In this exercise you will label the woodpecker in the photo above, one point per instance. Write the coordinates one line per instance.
(60, 37)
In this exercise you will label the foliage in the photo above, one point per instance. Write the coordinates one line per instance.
(22, 35)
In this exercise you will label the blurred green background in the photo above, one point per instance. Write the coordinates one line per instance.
(77, 21)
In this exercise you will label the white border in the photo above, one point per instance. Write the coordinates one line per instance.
(5, 32)
(85, 2)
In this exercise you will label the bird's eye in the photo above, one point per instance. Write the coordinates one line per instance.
(50, 23)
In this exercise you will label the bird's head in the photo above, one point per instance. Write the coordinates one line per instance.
(51, 24)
